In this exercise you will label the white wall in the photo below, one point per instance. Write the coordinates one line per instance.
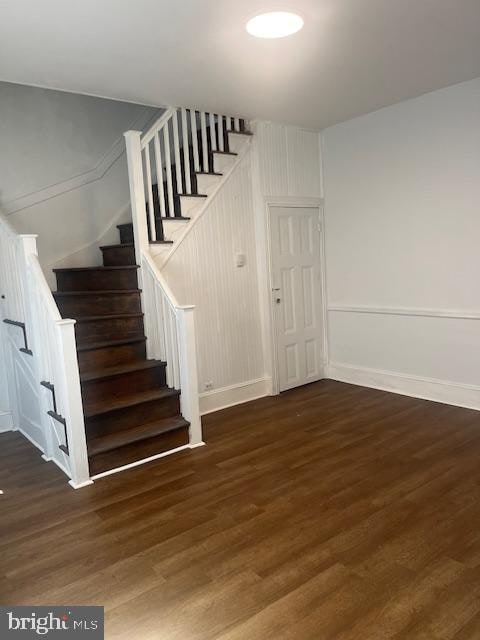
(402, 194)
(63, 171)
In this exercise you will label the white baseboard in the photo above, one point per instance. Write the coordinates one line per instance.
(31, 439)
(454, 393)
(235, 394)
(6, 421)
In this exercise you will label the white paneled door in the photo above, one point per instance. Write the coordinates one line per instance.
(297, 294)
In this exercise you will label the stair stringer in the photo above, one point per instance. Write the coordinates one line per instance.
(161, 254)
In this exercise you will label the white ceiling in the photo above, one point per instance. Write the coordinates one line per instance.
(352, 56)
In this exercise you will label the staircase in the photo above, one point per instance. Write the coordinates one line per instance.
(130, 412)
(136, 344)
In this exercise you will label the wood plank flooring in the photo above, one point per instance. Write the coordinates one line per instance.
(332, 511)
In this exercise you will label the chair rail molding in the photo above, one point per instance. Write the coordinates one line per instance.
(75, 182)
(461, 314)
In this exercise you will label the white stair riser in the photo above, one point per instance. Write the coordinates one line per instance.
(190, 206)
(160, 250)
(236, 141)
(207, 183)
(223, 162)
(173, 228)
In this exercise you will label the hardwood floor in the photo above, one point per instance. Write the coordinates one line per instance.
(331, 512)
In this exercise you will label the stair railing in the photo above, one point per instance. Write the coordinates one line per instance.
(172, 152)
(169, 326)
(162, 165)
(27, 300)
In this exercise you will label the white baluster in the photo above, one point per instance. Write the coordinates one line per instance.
(203, 126)
(193, 126)
(213, 137)
(221, 144)
(176, 146)
(229, 123)
(158, 162)
(236, 124)
(166, 148)
(151, 212)
(186, 152)
(137, 192)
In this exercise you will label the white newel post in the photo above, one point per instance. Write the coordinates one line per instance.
(139, 220)
(188, 373)
(73, 408)
(137, 192)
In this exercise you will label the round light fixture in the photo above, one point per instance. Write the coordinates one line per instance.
(276, 24)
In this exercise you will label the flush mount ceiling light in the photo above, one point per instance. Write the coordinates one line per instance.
(276, 24)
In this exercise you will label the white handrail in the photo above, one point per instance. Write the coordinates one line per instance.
(156, 126)
(53, 348)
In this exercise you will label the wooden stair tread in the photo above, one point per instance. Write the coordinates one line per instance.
(208, 173)
(119, 369)
(94, 292)
(226, 153)
(125, 437)
(118, 246)
(240, 133)
(161, 241)
(101, 268)
(191, 195)
(110, 343)
(113, 404)
(113, 316)
(181, 218)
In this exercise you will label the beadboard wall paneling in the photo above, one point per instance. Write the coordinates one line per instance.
(5, 404)
(203, 272)
(289, 160)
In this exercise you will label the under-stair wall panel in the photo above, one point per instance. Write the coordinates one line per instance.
(6, 405)
(28, 390)
(203, 272)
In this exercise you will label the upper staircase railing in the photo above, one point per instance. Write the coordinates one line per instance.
(173, 151)
(27, 302)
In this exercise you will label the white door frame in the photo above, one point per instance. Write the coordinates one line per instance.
(294, 202)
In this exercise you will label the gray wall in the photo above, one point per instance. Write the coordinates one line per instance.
(63, 170)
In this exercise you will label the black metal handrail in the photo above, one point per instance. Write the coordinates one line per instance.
(21, 325)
